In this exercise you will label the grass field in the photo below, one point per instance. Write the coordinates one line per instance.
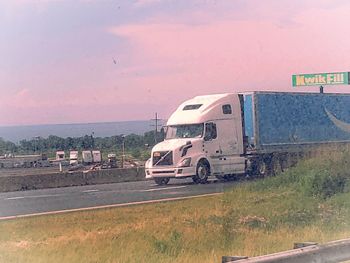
(310, 202)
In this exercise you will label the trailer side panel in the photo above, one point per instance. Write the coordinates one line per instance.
(287, 120)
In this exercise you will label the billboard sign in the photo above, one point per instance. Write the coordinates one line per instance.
(337, 78)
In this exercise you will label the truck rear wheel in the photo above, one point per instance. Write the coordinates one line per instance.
(276, 167)
(202, 173)
(162, 180)
(262, 168)
(259, 168)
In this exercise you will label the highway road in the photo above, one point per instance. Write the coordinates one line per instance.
(60, 200)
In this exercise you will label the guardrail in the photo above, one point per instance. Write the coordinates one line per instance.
(335, 251)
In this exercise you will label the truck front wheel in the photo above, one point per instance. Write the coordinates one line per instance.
(202, 173)
(162, 180)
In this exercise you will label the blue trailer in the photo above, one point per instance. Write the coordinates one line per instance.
(286, 122)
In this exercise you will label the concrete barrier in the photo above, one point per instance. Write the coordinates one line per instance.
(53, 180)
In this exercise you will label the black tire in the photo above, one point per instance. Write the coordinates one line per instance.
(260, 168)
(276, 167)
(284, 161)
(162, 180)
(195, 179)
(202, 173)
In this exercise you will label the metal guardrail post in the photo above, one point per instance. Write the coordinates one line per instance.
(304, 244)
(226, 259)
(335, 251)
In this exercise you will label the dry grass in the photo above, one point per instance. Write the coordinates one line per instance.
(247, 220)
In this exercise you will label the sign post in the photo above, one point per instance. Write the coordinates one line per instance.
(321, 79)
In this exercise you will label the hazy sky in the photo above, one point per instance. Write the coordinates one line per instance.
(94, 61)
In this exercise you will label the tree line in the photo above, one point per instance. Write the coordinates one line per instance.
(136, 145)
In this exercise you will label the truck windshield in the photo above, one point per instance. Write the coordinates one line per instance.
(184, 131)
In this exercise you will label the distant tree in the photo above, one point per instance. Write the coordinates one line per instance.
(134, 141)
(55, 142)
(7, 147)
(149, 137)
(134, 144)
(87, 142)
(136, 153)
(26, 145)
(69, 144)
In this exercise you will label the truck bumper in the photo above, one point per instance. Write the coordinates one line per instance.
(173, 172)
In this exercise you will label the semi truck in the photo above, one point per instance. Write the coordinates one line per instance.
(251, 133)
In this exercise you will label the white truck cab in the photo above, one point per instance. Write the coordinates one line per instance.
(203, 137)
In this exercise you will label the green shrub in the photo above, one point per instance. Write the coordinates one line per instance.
(320, 177)
(324, 183)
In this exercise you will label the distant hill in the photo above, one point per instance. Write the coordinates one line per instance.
(103, 129)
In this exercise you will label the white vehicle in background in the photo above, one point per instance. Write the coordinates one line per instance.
(60, 156)
(87, 157)
(73, 157)
(96, 156)
(254, 133)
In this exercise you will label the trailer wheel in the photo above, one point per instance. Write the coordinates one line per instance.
(202, 173)
(260, 168)
(276, 167)
(162, 180)
(284, 161)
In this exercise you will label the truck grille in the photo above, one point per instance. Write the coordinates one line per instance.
(162, 158)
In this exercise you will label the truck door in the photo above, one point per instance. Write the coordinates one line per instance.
(211, 146)
(230, 138)
(230, 143)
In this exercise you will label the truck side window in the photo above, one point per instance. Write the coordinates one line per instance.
(226, 109)
(210, 131)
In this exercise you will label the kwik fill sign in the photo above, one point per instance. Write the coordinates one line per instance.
(338, 78)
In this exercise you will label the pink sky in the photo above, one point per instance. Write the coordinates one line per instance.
(165, 52)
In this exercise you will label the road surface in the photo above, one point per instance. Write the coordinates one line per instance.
(58, 200)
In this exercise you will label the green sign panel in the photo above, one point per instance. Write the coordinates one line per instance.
(337, 78)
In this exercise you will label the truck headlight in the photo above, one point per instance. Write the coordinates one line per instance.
(185, 162)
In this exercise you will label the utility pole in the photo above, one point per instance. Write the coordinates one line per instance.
(123, 150)
(92, 140)
(36, 143)
(156, 125)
